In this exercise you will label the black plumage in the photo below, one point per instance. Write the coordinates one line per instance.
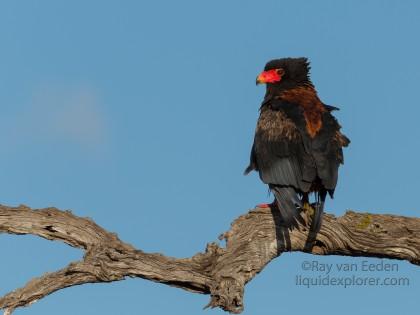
(297, 146)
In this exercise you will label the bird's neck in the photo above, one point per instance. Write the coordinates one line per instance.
(306, 97)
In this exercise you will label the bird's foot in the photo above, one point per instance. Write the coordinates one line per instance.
(264, 205)
(308, 208)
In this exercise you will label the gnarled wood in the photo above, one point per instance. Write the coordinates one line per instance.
(252, 242)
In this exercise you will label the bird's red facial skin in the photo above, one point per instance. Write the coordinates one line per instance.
(270, 76)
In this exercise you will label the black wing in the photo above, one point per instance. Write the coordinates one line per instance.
(278, 152)
(326, 148)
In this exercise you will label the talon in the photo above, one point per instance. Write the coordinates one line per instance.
(308, 208)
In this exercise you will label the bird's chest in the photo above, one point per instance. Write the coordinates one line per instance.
(284, 126)
(279, 119)
(274, 125)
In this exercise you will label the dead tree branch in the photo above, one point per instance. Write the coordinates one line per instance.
(252, 242)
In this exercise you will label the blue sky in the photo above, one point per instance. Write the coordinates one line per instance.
(141, 115)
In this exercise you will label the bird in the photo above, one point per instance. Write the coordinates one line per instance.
(297, 148)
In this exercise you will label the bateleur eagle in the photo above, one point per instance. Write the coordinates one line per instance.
(297, 147)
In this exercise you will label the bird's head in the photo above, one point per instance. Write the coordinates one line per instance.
(285, 73)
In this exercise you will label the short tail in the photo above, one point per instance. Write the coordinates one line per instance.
(316, 220)
(288, 203)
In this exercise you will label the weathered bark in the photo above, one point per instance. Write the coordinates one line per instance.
(253, 241)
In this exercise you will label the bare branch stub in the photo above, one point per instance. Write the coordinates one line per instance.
(252, 242)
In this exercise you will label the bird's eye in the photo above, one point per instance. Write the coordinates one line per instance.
(280, 71)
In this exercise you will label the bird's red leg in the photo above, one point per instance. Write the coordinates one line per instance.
(263, 205)
(266, 205)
